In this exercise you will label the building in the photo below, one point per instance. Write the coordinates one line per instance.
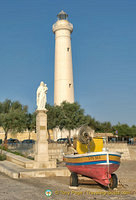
(63, 80)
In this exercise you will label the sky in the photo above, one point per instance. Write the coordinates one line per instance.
(103, 54)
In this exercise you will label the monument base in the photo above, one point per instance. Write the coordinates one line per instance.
(43, 165)
(41, 151)
(41, 146)
(41, 159)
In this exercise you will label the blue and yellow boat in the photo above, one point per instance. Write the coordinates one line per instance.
(98, 165)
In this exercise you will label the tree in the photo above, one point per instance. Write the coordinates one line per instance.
(68, 116)
(106, 127)
(125, 130)
(133, 131)
(13, 117)
(53, 116)
(31, 122)
(96, 125)
(72, 117)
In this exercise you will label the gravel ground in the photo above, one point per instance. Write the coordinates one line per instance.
(34, 188)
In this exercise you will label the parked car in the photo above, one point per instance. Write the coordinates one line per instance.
(28, 141)
(13, 141)
(50, 141)
(64, 140)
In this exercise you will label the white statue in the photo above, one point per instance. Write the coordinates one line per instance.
(41, 96)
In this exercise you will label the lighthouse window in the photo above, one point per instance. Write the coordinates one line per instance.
(69, 85)
(68, 49)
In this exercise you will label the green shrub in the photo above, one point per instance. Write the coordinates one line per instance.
(2, 157)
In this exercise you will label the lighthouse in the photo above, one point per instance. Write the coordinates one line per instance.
(63, 76)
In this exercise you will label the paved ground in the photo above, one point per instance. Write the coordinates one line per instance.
(34, 188)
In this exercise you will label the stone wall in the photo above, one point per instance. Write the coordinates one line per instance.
(19, 136)
(120, 147)
(56, 151)
(132, 151)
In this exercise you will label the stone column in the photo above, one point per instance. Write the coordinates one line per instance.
(41, 146)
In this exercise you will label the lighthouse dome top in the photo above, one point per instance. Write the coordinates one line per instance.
(62, 15)
(62, 23)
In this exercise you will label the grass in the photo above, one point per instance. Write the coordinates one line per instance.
(15, 152)
(2, 157)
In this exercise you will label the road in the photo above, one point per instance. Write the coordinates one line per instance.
(34, 188)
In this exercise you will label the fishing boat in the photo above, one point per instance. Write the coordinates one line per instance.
(92, 160)
(99, 166)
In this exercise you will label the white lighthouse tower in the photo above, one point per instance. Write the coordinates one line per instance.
(63, 83)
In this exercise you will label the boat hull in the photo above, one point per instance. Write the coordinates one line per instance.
(98, 166)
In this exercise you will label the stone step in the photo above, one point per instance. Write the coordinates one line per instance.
(10, 169)
(60, 171)
(19, 160)
(15, 171)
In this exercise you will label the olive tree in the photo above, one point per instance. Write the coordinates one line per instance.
(13, 117)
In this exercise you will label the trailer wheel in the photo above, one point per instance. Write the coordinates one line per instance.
(73, 179)
(113, 181)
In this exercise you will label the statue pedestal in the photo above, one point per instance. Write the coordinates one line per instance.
(41, 146)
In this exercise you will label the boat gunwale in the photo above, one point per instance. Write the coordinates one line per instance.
(102, 162)
(92, 154)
